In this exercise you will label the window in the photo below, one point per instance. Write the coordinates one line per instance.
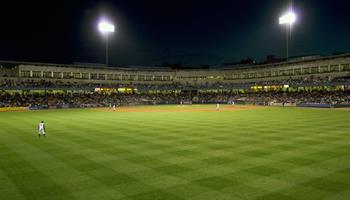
(141, 77)
(110, 76)
(267, 74)
(47, 75)
(124, 77)
(132, 77)
(36, 74)
(169, 78)
(76, 75)
(244, 75)
(305, 70)
(281, 73)
(323, 68)
(57, 75)
(346, 67)
(334, 68)
(102, 76)
(260, 74)
(117, 77)
(158, 78)
(288, 72)
(236, 76)
(67, 75)
(166, 78)
(230, 77)
(149, 77)
(93, 76)
(297, 71)
(25, 74)
(314, 70)
(85, 75)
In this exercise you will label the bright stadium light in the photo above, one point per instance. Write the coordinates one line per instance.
(105, 28)
(288, 18)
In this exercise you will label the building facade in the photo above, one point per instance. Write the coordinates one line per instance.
(328, 68)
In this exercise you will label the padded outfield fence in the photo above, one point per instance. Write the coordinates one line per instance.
(323, 105)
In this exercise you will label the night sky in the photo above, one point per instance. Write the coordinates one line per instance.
(151, 32)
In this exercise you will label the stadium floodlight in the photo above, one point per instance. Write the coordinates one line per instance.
(106, 28)
(288, 18)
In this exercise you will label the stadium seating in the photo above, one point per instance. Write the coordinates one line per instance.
(323, 80)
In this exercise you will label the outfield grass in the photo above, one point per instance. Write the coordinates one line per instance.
(273, 153)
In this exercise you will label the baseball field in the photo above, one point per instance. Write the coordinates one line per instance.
(176, 152)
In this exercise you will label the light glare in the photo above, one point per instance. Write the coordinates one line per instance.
(106, 27)
(288, 18)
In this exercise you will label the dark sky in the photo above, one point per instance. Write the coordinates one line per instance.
(151, 32)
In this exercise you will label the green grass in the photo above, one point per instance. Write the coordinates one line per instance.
(273, 153)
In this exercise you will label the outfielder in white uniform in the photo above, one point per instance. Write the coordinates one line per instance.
(217, 107)
(41, 128)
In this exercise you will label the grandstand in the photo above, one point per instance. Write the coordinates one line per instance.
(286, 83)
(330, 67)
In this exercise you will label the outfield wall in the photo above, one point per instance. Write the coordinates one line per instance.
(8, 109)
(44, 107)
(323, 105)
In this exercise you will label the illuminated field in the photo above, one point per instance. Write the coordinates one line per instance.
(255, 153)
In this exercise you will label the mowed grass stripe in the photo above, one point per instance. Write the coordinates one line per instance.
(73, 170)
(8, 187)
(30, 181)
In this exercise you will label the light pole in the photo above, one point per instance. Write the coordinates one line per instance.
(105, 28)
(288, 19)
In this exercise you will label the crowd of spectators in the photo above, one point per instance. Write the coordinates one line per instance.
(98, 99)
(45, 84)
(267, 98)
(309, 80)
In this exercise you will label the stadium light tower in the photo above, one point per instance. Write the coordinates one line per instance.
(106, 28)
(288, 19)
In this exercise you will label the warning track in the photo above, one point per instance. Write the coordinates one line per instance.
(178, 108)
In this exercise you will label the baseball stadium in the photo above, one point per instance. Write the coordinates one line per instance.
(276, 129)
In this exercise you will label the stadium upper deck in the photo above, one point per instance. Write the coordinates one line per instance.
(321, 70)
